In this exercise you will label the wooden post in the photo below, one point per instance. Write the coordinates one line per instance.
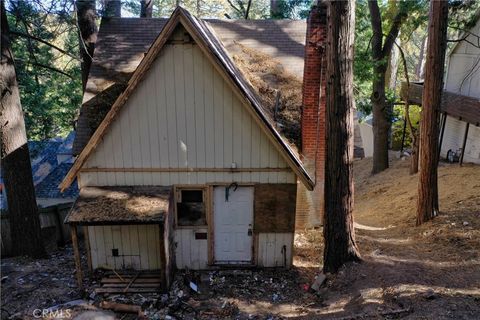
(163, 264)
(87, 246)
(76, 254)
(464, 142)
(59, 227)
(444, 122)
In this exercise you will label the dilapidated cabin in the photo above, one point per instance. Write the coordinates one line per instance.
(187, 168)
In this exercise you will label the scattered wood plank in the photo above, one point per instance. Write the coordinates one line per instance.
(120, 290)
(121, 307)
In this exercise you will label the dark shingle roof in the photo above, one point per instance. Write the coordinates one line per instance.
(122, 43)
(48, 187)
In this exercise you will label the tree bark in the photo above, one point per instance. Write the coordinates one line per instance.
(339, 236)
(112, 8)
(146, 8)
(15, 158)
(427, 206)
(86, 16)
(380, 52)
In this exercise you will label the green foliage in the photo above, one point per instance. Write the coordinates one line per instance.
(397, 126)
(49, 81)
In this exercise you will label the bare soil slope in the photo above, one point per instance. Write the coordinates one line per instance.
(426, 272)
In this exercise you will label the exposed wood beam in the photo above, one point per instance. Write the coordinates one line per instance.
(185, 170)
(455, 105)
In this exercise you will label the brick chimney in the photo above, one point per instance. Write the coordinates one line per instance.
(310, 203)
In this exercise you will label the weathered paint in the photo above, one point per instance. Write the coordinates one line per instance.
(138, 246)
(184, 115)
(275, 250)
(191, 253)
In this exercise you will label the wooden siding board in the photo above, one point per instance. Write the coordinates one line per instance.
(270, 249)
(143, 245)
(199, 106)
(179, 92)
(194, 115)
(209, 114)
(171, 110)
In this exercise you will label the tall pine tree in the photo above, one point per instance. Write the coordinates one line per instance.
(340, 246)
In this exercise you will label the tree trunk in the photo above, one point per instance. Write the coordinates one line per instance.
(381, 121)
(340, 246)
(86, 16)
(427, 207)
(146, 8)
(381, 50)
(275, 12)
(15, 158)
(112, 8)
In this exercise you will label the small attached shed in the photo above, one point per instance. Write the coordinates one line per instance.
(125, 228)
(189, 121)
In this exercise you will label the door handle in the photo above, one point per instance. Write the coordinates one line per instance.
(249, 232)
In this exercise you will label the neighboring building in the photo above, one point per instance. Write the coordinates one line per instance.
(51, 160)
(187, 167)
(463, 77)
(459, 131)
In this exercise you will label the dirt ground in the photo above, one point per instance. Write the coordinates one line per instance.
(408, 272)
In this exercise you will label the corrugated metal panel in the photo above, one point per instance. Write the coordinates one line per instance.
(275, 249)
(138, 246)
(184, 115)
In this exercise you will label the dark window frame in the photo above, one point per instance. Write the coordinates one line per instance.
(178, 201)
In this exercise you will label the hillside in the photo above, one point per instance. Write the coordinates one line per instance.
(431, 271)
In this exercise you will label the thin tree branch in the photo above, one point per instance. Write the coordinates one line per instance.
(393, 33)
(376, 22)
(41, 65)
(234, 7)
(29, 36)
(248, 9)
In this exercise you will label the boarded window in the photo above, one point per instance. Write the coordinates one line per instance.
(274, 207)
(191, 208)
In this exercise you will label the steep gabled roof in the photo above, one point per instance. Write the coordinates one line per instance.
(213, 49)
(122, 44)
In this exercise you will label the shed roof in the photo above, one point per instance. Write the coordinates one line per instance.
(212, 47)
(120, 205)
(123, 42)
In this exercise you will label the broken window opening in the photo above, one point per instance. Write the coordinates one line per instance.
(191, 208)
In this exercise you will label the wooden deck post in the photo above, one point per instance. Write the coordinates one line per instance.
(442, 132)
(464, 143)
(76, 254)
(87, 246)
(163, 264)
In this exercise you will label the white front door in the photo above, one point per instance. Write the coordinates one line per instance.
(233, 222)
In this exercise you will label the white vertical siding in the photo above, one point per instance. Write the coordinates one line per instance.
(271, 252)
(463, 75)
(184, 115)
(191, 253)
(453, 139)
(138, 246)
